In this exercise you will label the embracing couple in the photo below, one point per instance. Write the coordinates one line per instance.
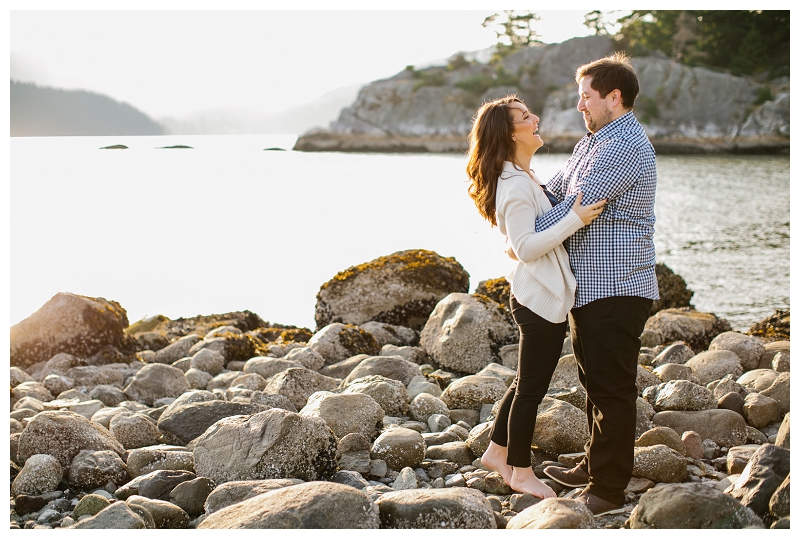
(585, 252)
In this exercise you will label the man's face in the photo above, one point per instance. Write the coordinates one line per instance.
(596, 110)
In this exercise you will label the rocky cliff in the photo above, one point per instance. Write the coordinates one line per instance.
(684, 109)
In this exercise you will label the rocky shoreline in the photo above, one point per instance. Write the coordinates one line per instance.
(379, 416)
(684, 110)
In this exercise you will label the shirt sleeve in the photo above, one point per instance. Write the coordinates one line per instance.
(613, 171)
(528, 244)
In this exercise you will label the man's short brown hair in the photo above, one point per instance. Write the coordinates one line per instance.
(613, 72)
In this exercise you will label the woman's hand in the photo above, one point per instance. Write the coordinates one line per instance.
(510, 251)
(588, 213)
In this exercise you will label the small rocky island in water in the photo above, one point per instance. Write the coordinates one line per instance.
(379, 416)
(683, 109)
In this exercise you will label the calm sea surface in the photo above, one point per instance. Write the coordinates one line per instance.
(227, 226)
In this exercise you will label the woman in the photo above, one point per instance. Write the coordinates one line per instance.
(509, 195)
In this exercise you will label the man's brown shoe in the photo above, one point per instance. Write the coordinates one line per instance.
(598, 506)
(573, 477)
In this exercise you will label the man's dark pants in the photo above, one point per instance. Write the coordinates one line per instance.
(605, 340)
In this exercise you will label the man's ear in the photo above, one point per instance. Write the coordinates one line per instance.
(616, 98)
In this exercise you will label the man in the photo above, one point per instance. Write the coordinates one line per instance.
(613, 260)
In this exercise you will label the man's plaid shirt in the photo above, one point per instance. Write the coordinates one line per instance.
(614, 255)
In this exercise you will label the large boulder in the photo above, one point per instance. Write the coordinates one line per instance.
(346, 413)
(63, 435)
(272, 444)
(312, 505)
(155, 381)
(465, 332)
(69, 323)
(400, 289)
(690, 506)
(764, 473)
(451, 508)
(694, 328)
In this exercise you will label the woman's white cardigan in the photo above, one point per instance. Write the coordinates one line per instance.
(542, 281)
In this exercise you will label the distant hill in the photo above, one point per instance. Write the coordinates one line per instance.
(44, 111)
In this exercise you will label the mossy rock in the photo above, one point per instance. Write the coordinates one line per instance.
(202, 324)
(671, 289)
(400, 289)
(773, 328)
(498, 290)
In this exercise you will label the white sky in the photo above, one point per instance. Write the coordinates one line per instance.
(174, 62)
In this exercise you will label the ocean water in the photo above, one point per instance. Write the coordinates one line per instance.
(226, 226)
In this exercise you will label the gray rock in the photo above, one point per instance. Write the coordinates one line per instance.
(509, 355)
(399, 448)
(390, 394)
(764, 473)
(298, 384)
(176, 350)
(566, 373)
(780, 362)
(36, 390)
(690, 506)
(659, 463)
(222, 380)
(438, 438)
(108, 395)
(732, 401)
(644, 416)
(479, 438)
(41, 473)
(693, 328)
(737, 458)
(336, 342)
(313, 505)
(693, 444)
(414, 354)
(724, 427)
(55, 384)
(134, 430)
(760, 410)
(401, 288)
(749, 349)
(197, 379)
(88, 377)
(779, 391)
(264, 446)
(155, 381)
(662, 436)
(677, 353)
(94, 469)
(758, 379)
(90, 505)
(159, 457)
(452, 508)
(393, 367)
(714, 365)
(342, 368)
(782, 438)
(64, 435)
(560, 428)
(117, 516)
(155, 485)
(346, 413)
(650, 338)
(69, 323)
(679, 395)
(191, 495)
(186, 422)
(457, 451)
(270, 366)
(505, 374)
(406, 479)
(779, 503)
(272, 401)
(390, 334)
(351, 479)
(645, 378)
(425, 405)
(234, 492)
(473, 391)
(305, 356)
(462, 331)
(673, 371)
(209, 361)
(553, 514)
(353, 453)
(166, 515)
(420, 384)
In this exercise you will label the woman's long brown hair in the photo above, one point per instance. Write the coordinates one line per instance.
(490, 145)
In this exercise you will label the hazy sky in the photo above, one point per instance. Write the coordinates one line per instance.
(174, 62)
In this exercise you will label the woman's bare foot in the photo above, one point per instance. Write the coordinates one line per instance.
(495, 458)
(523, 480)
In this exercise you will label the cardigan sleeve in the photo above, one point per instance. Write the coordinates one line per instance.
(519, 209)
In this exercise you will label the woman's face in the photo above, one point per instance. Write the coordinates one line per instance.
(525, 127)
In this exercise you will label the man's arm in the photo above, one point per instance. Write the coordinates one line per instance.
(612, 172)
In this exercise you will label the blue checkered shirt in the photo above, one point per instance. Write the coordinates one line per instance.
(614, 255)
